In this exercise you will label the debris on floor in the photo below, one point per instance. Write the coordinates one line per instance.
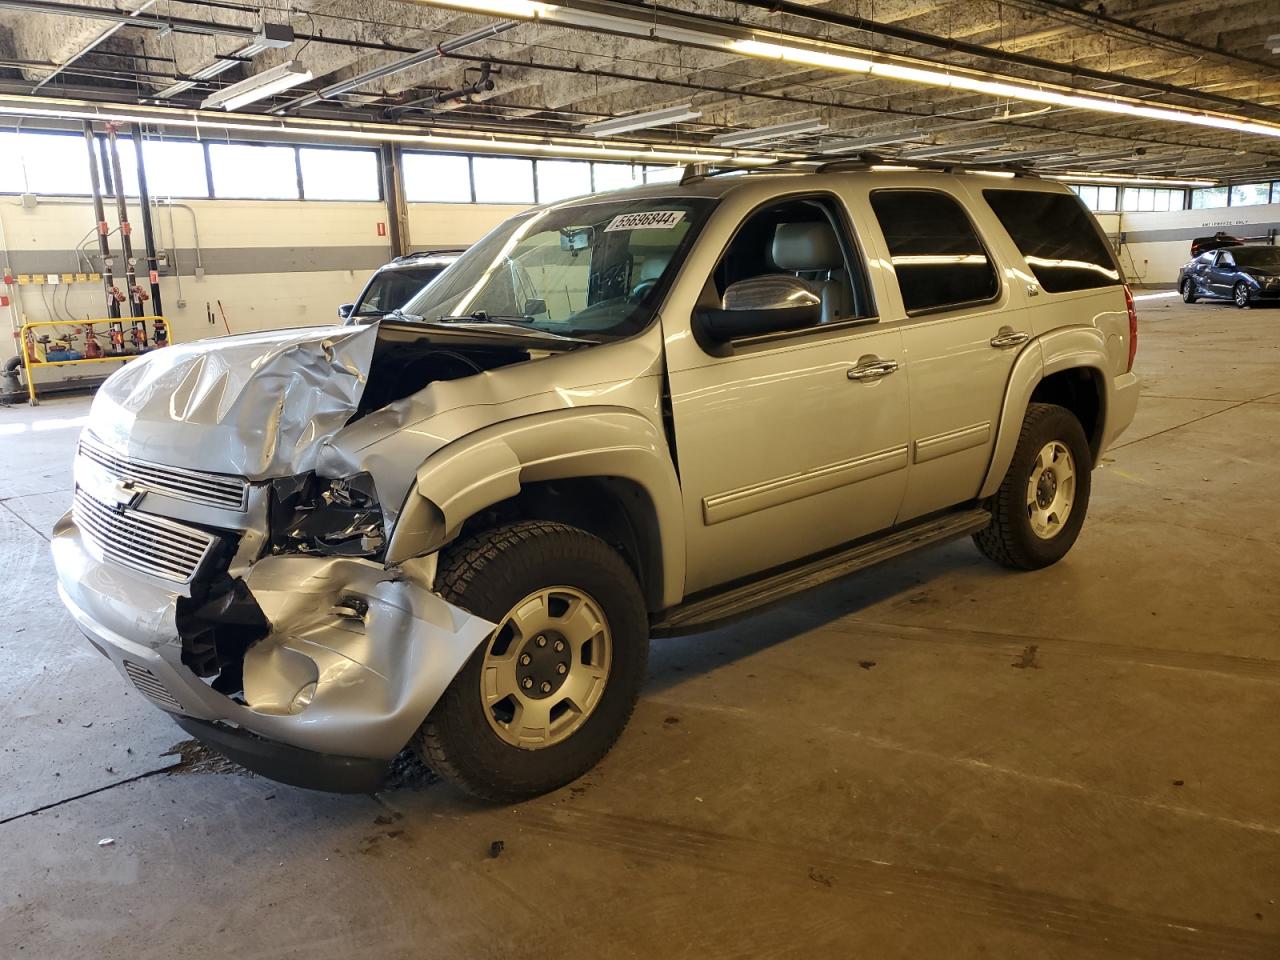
(194, 757)
(1027, 659)
(107, 842)
(496, 848)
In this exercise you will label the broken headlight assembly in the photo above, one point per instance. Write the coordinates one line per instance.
(333, 518)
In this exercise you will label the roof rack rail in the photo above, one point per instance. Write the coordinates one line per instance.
(824, 163)
(864, 161)
(414, 254)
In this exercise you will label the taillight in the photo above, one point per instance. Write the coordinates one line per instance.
(1133, 326)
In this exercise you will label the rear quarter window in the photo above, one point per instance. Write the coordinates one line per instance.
(936, 254)
(1057, 237)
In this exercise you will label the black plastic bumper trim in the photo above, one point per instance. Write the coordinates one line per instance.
(288, 764)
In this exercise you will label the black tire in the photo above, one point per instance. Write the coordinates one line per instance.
(1010, 540)
(1189, 291)
(488, 574)
(1240, 294)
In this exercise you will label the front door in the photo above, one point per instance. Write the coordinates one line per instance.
(1222, 275)
(796, 442)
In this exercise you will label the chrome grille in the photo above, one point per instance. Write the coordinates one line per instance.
(213, 489)
(155, 545)
(149, 685)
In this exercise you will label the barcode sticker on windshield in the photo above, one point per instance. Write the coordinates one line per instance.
(651, 220)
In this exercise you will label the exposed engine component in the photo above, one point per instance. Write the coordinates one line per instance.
(336, 518)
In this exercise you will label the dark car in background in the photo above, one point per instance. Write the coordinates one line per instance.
(1243, 274)
(394, 285)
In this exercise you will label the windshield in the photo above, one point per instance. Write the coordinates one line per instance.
(391, 289)
(1267, 258)
(591, 269)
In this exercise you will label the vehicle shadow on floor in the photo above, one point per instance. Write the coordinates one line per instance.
(672, 660)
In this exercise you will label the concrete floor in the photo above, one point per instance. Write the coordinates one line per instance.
(937, 758)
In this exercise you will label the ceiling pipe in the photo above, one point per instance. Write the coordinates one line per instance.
(396, 66)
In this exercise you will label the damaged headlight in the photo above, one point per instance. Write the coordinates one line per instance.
(338, 518)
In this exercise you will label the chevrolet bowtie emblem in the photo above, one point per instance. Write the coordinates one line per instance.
(126, 494)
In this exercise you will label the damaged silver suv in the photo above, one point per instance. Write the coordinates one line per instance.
(624, 415)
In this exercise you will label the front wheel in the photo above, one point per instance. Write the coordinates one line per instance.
(1240, 294)
(545, 697)
(1039, 509)
(1189, 291)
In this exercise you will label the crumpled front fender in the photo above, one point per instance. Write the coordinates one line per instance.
(380, 649)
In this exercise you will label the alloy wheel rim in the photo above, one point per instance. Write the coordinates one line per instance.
(545, 667)
(1051, 489)
(1242, 296)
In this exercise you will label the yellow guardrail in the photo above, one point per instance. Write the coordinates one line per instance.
(108, 340)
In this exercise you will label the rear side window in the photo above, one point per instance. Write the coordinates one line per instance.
(939, 260)
(1057, 237)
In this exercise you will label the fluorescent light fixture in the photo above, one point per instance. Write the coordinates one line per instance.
(866, 143)
(781, 131)
(219, 66)
(175, 88)
(892, 168)
(1107, 178)
(1001, 174)
(943, 149)
(284, 76)
(1056, 153)
(272, 36)
(642, 121)
(172, 118)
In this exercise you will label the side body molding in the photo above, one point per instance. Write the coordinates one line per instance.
(1065, 348)
(491, 464)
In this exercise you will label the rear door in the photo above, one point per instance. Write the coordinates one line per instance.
(962, 328)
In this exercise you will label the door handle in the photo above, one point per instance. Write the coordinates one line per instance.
(1007, 337)
(872, 369)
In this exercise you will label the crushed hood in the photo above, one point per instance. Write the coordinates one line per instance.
(258, 405)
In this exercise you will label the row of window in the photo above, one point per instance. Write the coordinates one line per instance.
(57, 164)
(1240, 195)
(454, 178)
(940, 260)
(1102, 199)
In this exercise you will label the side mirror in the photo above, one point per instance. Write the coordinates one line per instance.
(344, 311)
(758, 306)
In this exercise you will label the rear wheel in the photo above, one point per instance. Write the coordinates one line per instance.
(1039, 509)
(549, 692)
(1189, 291)
(1240, 294)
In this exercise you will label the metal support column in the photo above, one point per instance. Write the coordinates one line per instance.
(389, 161)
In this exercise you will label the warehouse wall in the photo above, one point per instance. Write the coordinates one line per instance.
(271, 263)
(1157, 244)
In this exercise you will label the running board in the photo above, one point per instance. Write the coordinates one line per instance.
(745, 597)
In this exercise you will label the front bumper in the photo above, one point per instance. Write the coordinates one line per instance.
(334, 680)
